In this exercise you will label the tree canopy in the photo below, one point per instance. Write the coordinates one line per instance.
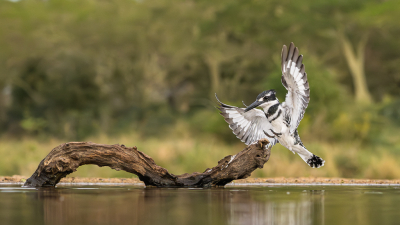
(72, 68)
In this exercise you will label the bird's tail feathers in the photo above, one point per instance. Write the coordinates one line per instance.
(308, 157)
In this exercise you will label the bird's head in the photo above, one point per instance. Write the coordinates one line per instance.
(263, 99)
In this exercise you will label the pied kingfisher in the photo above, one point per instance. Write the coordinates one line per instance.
(277, 122)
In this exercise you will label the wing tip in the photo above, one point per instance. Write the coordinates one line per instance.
(283, 56)
(221, 103)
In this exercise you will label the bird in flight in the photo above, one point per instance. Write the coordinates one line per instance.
(277, 122)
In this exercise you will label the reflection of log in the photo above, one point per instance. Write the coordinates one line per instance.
(66, 158)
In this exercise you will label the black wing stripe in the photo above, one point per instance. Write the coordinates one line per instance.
(299, 61)
(307, 86)
(284, 83)
(295, 55)
(291, 50)
(302, 69)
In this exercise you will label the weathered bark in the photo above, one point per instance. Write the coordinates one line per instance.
(66, 158)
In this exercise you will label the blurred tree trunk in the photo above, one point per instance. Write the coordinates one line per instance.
(213, 64)
(355, 61)
(3, 105)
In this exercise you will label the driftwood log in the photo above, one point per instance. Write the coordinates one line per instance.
(66, 158)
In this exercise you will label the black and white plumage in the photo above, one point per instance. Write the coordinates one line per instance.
(276, 122)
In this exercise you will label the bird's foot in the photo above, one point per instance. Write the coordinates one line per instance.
(268, 135)
(276, 134)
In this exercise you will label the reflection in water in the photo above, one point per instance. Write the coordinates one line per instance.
(299, 210)
(177, 206)
(246, 205)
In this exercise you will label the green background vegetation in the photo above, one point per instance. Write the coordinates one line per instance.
(144, 73)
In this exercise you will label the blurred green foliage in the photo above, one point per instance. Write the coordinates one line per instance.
(77, 69)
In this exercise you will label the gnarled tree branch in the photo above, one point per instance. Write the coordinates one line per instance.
(66, 158)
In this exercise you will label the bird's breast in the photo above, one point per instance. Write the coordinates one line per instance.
(277, 121)
(286, 139)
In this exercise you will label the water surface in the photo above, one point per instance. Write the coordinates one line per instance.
(231, 205)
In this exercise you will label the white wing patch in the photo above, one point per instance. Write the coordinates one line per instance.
(249, 127)
(294, 79)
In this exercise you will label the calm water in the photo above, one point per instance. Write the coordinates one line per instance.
(230, 205)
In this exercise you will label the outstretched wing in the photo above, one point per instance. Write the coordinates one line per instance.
(249, 127)
(294, 78)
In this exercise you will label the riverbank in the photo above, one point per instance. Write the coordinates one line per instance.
(16, 179)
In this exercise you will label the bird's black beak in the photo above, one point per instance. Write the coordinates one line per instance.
(253, 105)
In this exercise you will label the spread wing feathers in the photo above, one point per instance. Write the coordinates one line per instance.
(294, 79)
(249, 127)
